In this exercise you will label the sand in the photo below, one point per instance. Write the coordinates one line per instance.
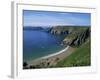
(52, 59)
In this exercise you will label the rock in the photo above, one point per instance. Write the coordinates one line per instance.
(80, 38)
(75, 35)
(58, 31)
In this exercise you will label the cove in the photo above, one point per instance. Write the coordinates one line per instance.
(39, 43)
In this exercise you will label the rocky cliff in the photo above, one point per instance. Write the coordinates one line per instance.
(58, 30)
(75, 36)
(80, 38)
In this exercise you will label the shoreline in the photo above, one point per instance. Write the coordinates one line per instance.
(52, 59)
(54, 54)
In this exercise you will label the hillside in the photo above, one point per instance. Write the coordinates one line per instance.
(78, 38)
(80, 57)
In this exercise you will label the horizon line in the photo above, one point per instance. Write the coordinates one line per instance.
(53, 25)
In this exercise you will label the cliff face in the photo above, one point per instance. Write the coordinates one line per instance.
(58, 30)
(75, 36)
(80, 38)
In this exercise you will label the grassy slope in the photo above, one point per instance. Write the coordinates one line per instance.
(76, 28)
(80, 57)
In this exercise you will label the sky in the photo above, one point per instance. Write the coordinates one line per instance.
(50, 18)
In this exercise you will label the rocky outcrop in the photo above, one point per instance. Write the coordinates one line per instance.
(58, 30)
(80, 38)
(75, 35)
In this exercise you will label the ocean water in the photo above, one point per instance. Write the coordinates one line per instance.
(38, 43)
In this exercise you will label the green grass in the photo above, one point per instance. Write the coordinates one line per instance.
(80, 57)
(75, 28)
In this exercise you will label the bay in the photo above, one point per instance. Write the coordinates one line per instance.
(39, 43)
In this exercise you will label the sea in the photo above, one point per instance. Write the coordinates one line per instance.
(39, 43)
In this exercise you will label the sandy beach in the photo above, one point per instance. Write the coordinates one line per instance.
(52, 59)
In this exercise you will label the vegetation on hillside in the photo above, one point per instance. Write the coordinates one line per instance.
(80, 57)
(79, 38)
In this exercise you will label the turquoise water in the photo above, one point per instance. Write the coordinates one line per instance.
(38, 43)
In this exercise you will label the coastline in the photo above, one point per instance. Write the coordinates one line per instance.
(54, 54)
(53, 58)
